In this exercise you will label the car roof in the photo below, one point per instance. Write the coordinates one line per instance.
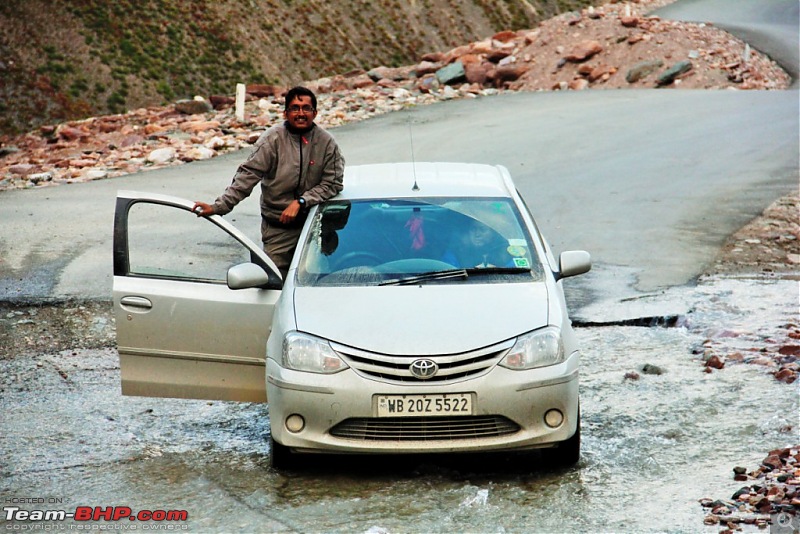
(426, 179)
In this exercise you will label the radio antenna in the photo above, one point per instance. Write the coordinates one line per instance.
(413, 160)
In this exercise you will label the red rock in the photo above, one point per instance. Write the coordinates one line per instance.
(69, 133)
(150, 129)
(456, 53)
(81, 163)
(633, 39)
(199, 126)
(583, 51)
(496, 55)
(482, 47)
(786, 375)
(221, 101)
(264, 90)
(601, 72)
(504, 36)
(629, 22)
(433, 57)
(467, 59)
(790, 350)
(108, 126)
(361, 81)
(509, 73)
(478, 73)
(715, 362)
(772, 461)
(578, 85)
(426, 67)
(22, 169)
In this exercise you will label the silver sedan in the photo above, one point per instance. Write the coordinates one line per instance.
(423, 312)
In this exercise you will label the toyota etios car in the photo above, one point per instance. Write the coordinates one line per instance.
(423, 312)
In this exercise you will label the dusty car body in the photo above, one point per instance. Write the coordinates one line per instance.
(423, 312)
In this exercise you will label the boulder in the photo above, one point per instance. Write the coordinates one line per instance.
(583, 51)
(643, 69)
(160, 156)
(672, 73)
(451, 74)
(192, 107)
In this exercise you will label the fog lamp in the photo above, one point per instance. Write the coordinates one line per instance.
(295, 423)
(553, 418)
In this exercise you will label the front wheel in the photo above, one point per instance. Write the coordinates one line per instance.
(569, 452)
(281, 457)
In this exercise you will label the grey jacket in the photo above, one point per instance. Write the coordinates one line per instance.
(288, 166)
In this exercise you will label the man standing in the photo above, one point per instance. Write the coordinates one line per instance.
(298, 165)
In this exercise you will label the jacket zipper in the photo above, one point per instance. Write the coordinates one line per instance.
(300, 170)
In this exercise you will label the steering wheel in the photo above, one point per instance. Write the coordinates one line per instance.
(356, 258)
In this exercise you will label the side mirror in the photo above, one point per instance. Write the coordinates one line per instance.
(573, 263)
(247, 275)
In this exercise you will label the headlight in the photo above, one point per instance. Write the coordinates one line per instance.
(302, 352)
(537, 349)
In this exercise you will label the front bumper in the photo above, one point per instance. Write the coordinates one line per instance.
(520, 397)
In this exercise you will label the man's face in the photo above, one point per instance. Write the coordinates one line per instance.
(479, 234)
(300, 112)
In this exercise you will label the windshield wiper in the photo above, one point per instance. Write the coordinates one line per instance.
(426, 277)
(453, 273)
(497, 270)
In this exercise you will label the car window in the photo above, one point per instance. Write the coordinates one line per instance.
(172, 243)
(370, 241)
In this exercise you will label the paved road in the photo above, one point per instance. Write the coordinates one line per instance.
(650, 182)
(768, 25)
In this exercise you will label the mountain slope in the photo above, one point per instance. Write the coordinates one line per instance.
(67, 59)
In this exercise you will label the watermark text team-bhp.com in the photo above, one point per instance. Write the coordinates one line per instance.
(40, 514)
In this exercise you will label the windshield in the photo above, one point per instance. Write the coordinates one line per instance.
(368, 242)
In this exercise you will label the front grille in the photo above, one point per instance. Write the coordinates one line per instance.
(424, 428)
(395, 369)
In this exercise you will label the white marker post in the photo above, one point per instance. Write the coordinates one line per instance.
(240, 90)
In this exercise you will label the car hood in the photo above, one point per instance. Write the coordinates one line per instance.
(423, 319)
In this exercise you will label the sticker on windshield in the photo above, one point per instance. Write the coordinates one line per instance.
(521, 262)
(516, 250)
(517, 242)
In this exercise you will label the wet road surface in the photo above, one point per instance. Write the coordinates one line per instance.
(652, 447)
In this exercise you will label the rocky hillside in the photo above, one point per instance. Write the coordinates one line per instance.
(69, 59)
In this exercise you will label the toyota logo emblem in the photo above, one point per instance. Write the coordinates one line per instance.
(423, 369)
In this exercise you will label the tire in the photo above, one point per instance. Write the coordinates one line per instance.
(281, 457)
(568, 452)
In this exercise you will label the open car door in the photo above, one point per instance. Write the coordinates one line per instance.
(183, 329)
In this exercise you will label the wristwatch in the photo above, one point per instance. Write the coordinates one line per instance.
(302, 202)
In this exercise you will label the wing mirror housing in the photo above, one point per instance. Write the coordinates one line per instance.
(573, 263)
(248, 275)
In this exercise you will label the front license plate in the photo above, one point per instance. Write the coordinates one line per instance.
(422, 405)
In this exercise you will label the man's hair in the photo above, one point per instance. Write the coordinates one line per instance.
(294, 92)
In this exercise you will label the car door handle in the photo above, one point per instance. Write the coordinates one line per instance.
(138, 303)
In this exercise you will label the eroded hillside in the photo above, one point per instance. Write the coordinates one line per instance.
(67, 59)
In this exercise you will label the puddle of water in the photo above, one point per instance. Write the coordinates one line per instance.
(656, 444)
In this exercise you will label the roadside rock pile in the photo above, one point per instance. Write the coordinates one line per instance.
(613, 46)
(767, 247)
(774, 497)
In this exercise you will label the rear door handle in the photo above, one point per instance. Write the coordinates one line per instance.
(138, 303)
